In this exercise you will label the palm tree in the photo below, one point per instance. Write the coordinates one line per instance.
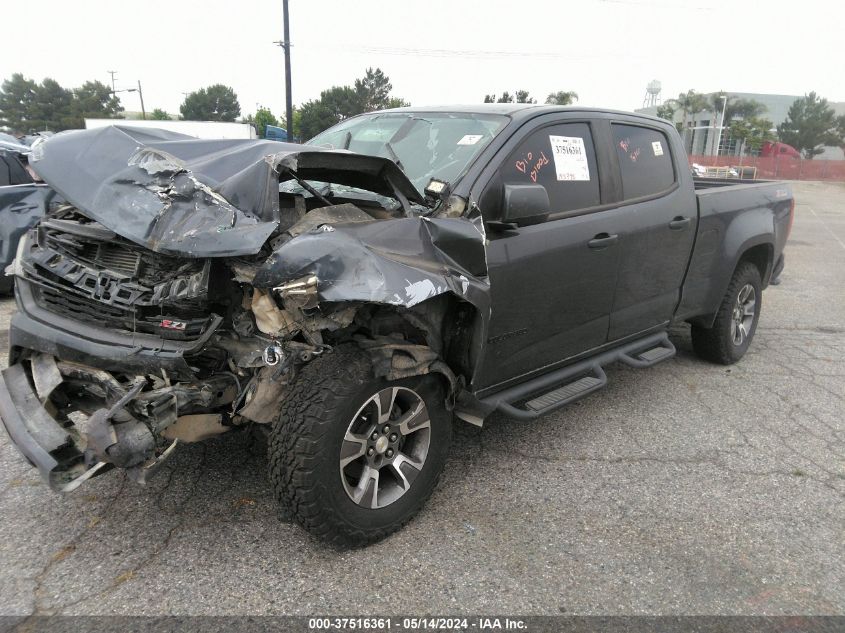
(689, 103)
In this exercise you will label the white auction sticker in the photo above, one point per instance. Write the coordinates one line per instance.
(470, 139)
(658, 148)
(570, 158)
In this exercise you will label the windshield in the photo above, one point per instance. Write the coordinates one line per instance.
(425, 145)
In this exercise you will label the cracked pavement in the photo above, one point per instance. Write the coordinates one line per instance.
(687, 488)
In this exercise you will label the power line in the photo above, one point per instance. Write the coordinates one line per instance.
(476, 54)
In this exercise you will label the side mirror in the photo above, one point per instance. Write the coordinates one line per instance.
(525, 205)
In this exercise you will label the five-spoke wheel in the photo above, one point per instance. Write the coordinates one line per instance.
(385, 447)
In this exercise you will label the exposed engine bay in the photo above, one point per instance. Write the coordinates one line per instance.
(202, 335)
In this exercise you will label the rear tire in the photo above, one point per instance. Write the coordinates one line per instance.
(729, 338)
(352, 457)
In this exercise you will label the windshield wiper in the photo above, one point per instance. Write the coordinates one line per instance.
(393, 155)
(307, 187)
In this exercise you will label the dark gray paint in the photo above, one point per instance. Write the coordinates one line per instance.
(544, 293)
(194, 198)
(21, 206)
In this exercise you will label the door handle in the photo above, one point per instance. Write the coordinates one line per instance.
(508, 228)
(603, 240)
(679, 223)
(19, 207)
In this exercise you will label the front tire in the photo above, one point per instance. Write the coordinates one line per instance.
(352, 457)
(729, 338)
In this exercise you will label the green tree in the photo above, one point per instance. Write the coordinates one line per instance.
(840, 130)
(17, 96)
(666, 111)
(523, 97)
(334, 105)
(262, 119)
(341, 102)
(810, 125)
(373, 90)
(214, 103)
(751, 133)
(397, 102)
(94, 100)
(734, 108)
(159, 115)
(562, 97)
(744, 109)
(27, 106)
(53, 108)
(506, 97)
(689, 103)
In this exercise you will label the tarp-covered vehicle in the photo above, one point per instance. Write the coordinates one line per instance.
(357, 292)
(23, 201)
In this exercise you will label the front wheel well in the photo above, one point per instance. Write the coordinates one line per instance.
(437, 335)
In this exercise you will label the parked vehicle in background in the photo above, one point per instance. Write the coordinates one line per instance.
(776, 148)
(22, 203)
(10, 143)
(356, 294)
(275, 133)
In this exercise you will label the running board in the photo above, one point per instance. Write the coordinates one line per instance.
(568, 384)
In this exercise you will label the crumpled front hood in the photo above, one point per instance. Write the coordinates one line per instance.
(182, 196)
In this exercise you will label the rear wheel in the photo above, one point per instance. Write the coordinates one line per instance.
(729, 338)
(352, 457)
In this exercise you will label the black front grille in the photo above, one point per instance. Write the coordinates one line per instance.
(118, 256)
(112, 283)
(83, 309)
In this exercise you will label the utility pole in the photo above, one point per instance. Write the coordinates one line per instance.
(112, 73)
(724, 99)
(288, 98)
(141, 94)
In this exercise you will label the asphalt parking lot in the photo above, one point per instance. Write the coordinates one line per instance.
(686, 488)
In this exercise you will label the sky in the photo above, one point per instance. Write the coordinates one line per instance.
(434, 51)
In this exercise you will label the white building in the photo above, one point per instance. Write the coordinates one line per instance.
(703, 128)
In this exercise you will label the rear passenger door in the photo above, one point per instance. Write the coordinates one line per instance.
(657, 230)
(552, 283)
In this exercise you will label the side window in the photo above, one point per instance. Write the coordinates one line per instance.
(561, 158)
(12, 172)
(645, 162)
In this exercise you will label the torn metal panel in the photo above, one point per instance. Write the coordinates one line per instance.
(45, 375)
(403, 262)
(196, 198)
(263, 396)
(372, 173)
(329, 216)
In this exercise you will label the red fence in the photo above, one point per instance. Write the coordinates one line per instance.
(777, 167)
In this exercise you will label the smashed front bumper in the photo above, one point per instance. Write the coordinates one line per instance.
(45, 444)
(73, 421)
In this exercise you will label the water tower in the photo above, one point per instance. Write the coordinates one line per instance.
(652, 94)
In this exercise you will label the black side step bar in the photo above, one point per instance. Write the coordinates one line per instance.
(565, 385)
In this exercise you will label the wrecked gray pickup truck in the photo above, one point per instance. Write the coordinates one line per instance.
(355, 293)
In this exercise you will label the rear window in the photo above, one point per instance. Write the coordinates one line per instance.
(645, 162)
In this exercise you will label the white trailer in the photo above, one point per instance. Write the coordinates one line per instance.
(198, 129)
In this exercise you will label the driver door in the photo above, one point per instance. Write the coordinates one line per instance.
(552, 283)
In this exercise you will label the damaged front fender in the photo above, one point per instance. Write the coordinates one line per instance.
(399, 262)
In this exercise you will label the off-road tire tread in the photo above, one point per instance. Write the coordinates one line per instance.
(308, 413)
(712, 344)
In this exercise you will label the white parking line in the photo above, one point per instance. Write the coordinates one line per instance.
(829, 230)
